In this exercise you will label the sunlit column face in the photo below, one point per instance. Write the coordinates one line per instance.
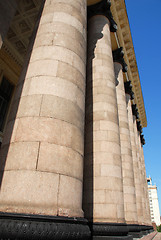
(46, 143)
(126, 148)
(102, 148)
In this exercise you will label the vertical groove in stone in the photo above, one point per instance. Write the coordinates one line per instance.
(126, 150)
(44, 153)
(103, 187)
(135, 160)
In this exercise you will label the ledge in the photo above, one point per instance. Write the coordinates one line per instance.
(119, 13)
(36, 227)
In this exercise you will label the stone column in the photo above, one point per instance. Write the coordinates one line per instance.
(141, 215)
(139, 130)
(144, 181)
(125, 143)
(7, 12)
(103, 186)
(129, 96)
(148, 216)
(43, 170)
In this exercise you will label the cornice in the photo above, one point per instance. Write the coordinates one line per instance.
(118, 9)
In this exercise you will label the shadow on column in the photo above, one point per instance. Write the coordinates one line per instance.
(88, 143)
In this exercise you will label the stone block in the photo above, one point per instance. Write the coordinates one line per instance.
(20, 195)
(20, 156)
(70, 197)
(29, 106)
(60, 108)
(111, 170)
(105, 211)
(60, 159)
(49, 130)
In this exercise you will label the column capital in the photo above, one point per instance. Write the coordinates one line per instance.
(118, 56)
(142, 139)
(103, 8)
(139, 127)
(128, 89)
(135, 111)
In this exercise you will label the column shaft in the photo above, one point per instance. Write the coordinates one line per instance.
(103, 187)
(142, 172)
(126, 151)
(148, 217)
(144, 183)
(140, 196)
(135, 161)
(43, 170)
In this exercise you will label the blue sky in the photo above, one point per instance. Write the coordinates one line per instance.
(145, 23)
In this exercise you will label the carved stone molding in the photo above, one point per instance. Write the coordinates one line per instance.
(103, 8)
(135, 111)
(35, 227)
(142, 139)
(118, 9)
(138, 231)
(118, 56)
(135, 230)
(109, 231)
(128, 89)
(139, 127)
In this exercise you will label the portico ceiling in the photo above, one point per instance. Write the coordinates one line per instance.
(20, 31)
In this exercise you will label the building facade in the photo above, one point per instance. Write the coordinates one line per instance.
(153, 201)
(72, 113)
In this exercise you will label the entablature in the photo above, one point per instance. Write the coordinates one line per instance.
(124, 39)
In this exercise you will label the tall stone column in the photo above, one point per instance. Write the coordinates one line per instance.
(43, 168)
(139, 130)
(144, 181)
(148, 217)
(140, 216)
(147, 221)
(133, 114)
(103, 186)
(125, 143)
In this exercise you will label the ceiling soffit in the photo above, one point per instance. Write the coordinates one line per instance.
(20, 31)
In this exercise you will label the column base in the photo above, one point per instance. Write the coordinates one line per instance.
(37, 227)
(113, 231)
(113, 238)
(135, 231)
(138, 231)
(146, 229)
